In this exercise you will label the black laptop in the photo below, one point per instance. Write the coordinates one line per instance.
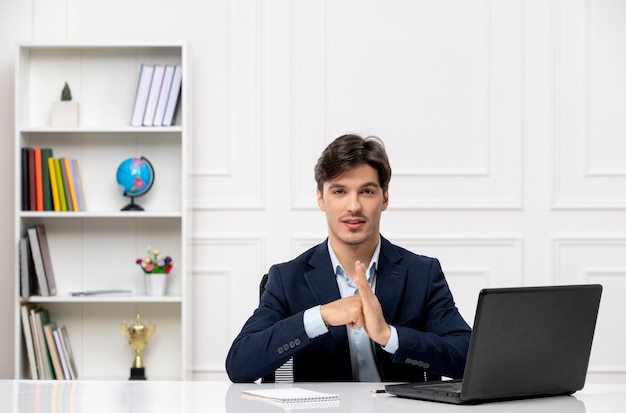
(526, 342)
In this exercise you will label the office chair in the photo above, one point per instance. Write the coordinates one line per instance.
(283, 374)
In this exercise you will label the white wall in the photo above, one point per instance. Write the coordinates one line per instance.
(503, 120)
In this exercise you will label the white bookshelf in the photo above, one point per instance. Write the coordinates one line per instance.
(97, 248)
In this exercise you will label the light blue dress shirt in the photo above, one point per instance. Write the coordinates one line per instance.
(361, 346)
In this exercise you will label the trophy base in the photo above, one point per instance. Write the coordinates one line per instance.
(137, 373)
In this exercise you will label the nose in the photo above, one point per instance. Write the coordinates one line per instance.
(354, 205)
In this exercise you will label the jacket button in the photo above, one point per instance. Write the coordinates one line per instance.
(408, 361)
(426, 365)
(292, 344)
(280, 350)
(297, 341)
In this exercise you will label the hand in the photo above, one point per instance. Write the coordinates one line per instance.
(345, 311)
(375, 325)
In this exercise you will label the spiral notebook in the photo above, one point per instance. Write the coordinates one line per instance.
(294, 397)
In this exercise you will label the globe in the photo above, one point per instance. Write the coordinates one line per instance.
(135, 176)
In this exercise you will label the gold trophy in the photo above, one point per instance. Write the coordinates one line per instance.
(138, 336)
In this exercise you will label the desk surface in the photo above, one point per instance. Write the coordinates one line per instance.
(27, 396)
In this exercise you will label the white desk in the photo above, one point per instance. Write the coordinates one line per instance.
(27, 396)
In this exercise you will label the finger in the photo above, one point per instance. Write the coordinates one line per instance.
(360, 279)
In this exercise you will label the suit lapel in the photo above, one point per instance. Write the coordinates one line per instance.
(390, 280)
(322, 282)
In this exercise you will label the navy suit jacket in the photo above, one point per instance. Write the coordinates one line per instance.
(415, 299)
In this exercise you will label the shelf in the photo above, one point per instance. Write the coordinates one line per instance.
(68, 299)
(103, 129)
(99, 214)
(97, 248)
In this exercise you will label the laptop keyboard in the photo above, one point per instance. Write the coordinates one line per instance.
(454, 387)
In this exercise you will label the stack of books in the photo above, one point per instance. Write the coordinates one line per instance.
(157, 97)
(50, 184)
(36, 272)
(47, 345)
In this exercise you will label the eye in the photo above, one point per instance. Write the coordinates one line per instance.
(339, 191)
(369, 191)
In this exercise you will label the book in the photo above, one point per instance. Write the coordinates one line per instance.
(47, 258)
(295, 397)
(173, 98)
(102, 293)
(60, 188)
(70, 181)
(141, 95)
(32, 186)
(54, 189)
(28, 284)
(78, 185)
(40, 271)
(66, 186)
(38, 180)
(164, 94)
(67, 349)
(32, 320)
(42, 317)
(28, 338)
(25, 188)
(46, 153)
(52, 348)
(153, 95)
(58, 341)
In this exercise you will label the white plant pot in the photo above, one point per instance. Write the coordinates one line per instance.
(65, 114)
(156, 284)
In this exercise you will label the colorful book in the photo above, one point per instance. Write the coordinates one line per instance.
(38, 180)
(60, 187)
(25, 180)
(32, 185)
(70, 182)
(54, 189)
(46, 153)
(66, 185)
(78, 185)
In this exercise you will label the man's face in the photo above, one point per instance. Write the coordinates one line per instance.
(353, 203)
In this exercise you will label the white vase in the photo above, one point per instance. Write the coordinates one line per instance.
(65, 114)
(156, 284)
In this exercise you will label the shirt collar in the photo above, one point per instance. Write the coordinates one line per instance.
(339, 270)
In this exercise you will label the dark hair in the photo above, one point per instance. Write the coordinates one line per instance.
(349, 151)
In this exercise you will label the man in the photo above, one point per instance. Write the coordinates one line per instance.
(355, 307)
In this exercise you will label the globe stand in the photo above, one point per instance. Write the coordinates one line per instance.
(132, 206)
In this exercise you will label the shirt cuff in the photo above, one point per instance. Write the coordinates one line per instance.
(313, 323)
(393, 343)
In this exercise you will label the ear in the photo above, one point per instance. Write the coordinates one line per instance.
(385, 200)
(320, 200)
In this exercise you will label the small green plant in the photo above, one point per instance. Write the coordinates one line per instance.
(66, 93)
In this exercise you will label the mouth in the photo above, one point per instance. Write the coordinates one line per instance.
(353, 223)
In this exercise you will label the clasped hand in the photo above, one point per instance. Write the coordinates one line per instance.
(361, 310)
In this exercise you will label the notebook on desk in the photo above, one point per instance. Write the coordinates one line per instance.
(526, 342)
